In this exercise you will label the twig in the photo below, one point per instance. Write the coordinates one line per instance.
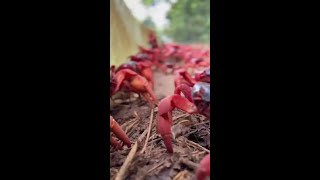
(189, 163)
(197, 145)
(142, 135)
(180, 175)
(124, 167)
(153, 136)
(130, 127)
(155, 140)
(155, 167)
(180, 116)
(197, 124)
(149, 129)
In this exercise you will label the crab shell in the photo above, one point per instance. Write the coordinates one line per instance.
(130, 65)
(201, 97)
(140, 57)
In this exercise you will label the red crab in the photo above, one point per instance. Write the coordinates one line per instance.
(198, 62)
(183, 77)
(141, 67)
(170, 50)
(136, 83)
(117, 130)
(199, 94)
(152, 55)
(197, 101)
(153, 40)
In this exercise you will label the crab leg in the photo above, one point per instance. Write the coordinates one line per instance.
(117, 130)
(203, 170)
(164, 116)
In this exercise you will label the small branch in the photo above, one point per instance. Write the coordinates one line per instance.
(180, 175)
(124, 167)
(189, 163)
(197, 145)
(149, 129)
(180, 116)
(155, 167)
(197, 124)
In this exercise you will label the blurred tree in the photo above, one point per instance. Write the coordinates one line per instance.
(189, 20)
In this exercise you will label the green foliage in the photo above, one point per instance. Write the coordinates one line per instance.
(149, 23)
(148, 2)
(190, 21)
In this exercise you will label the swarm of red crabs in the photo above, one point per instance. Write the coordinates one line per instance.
(192, 90)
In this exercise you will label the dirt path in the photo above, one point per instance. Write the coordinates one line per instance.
(164, 84)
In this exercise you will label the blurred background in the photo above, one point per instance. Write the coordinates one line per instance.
(180, 21)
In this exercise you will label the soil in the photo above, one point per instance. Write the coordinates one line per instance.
(190, 138)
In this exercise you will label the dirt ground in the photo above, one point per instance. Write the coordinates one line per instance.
(151, 161)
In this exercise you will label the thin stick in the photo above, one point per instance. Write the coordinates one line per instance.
(189, 163)
(180, 116)
(155, 167)
(149, 129)
(197, 145)
(197, 124)
(180, 175)
(131, 125)
(124, 167)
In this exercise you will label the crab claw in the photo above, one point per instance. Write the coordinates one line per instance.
(183, 76)
(117, 130)
(187, 77)
(164, 116)
(185, 89)
(203, 170)
(147, 73)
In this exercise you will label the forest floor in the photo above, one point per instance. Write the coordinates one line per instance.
(148, 158)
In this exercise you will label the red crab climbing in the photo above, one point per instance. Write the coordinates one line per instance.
(117, 130)
(136, 83)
